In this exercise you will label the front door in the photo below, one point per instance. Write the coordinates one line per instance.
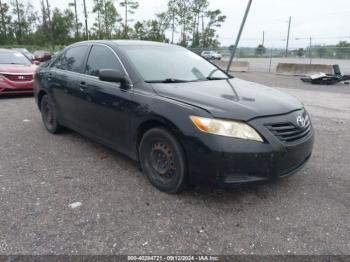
(104, 108)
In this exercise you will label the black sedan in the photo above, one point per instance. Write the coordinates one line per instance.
(184, 119)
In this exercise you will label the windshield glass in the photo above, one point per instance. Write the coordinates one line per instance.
(13, 58)
(164, 63)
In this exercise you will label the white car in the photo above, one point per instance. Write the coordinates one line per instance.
(211, 55)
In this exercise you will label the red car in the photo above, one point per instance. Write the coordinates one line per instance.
(42, 56)
(16, 73)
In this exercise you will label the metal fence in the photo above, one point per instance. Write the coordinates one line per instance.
(266, 60)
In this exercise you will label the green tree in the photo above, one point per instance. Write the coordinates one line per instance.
(62, 26)
(196, 24)
(25, 18)
(163, 23)
(172, 16)
(77, 24)
(130, 7)
(184, 14)
(343, 50)
(140, 31)
(98, 10)
(150, 30)
(5, 17)
(106, 19)
(199, 9)
(300, 52)
(209, 36)
(260, 50)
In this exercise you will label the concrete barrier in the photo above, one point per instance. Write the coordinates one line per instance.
(236, 66)
(303, 69)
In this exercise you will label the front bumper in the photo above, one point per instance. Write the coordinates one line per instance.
(225, 161)
(12, 88)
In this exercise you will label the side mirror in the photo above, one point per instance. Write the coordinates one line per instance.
(36, 62)
(110, 75)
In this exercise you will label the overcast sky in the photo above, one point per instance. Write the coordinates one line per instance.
(326, 21)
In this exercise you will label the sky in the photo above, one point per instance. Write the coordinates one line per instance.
(327, 22)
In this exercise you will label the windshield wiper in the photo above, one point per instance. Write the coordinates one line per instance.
(216, 78)
(168, 80)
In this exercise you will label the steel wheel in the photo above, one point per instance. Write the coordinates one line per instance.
(162, 160)
(48, 115)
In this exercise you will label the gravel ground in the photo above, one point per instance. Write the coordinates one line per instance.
(121, 213)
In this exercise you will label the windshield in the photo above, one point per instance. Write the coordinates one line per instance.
(13, 58)
(171, 64)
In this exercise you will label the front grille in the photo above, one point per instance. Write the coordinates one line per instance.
(17, 90)
(19, 78)
(288, 132)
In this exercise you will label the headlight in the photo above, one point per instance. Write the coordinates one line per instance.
(226, 128)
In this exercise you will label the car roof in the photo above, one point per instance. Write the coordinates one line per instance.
(8, 50)
(127, 43)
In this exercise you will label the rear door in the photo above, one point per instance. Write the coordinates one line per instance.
(105, 107)
(63, 85)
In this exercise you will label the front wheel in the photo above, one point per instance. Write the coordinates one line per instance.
(163, 161)
(49, 115)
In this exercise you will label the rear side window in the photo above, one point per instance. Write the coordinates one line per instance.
(101, 58)
(72, 59)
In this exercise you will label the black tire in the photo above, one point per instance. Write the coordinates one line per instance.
(49, 115)
(163, 160)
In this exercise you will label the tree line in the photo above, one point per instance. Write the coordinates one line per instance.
(188, 23)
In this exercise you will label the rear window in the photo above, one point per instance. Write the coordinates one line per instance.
(72, 59)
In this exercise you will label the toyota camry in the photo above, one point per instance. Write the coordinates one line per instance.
(182, 118)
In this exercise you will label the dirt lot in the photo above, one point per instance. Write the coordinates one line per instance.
(121, 213)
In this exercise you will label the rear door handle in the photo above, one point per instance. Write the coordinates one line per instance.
(82, 86)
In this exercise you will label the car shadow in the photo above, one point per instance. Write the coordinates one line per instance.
(16, 96)
(209, 194)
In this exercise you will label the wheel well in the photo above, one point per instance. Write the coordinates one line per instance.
(144, 127)
(40, 96)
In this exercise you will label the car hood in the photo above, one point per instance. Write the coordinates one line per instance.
(18, 69)
(230, 99)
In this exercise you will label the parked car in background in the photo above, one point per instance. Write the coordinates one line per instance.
(25, 52)
(16, 73)
(211, 55)
(184, 119)
(42, 56)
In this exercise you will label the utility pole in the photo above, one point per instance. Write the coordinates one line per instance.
(86, 22)
(310, 51)
(287, 45)
(263, 39)
(48, 11)
(239, 34)
(19, 36)
(76, 20)
(126, 19)
(3, 19)
(202, 31)
(173, 27)
(50, 24)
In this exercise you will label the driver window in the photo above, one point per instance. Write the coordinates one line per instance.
(101, 58)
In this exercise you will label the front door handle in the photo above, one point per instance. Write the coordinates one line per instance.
(82, 86)
(49, 78)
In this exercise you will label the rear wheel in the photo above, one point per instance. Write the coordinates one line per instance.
(163, 161)
(49, 115)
